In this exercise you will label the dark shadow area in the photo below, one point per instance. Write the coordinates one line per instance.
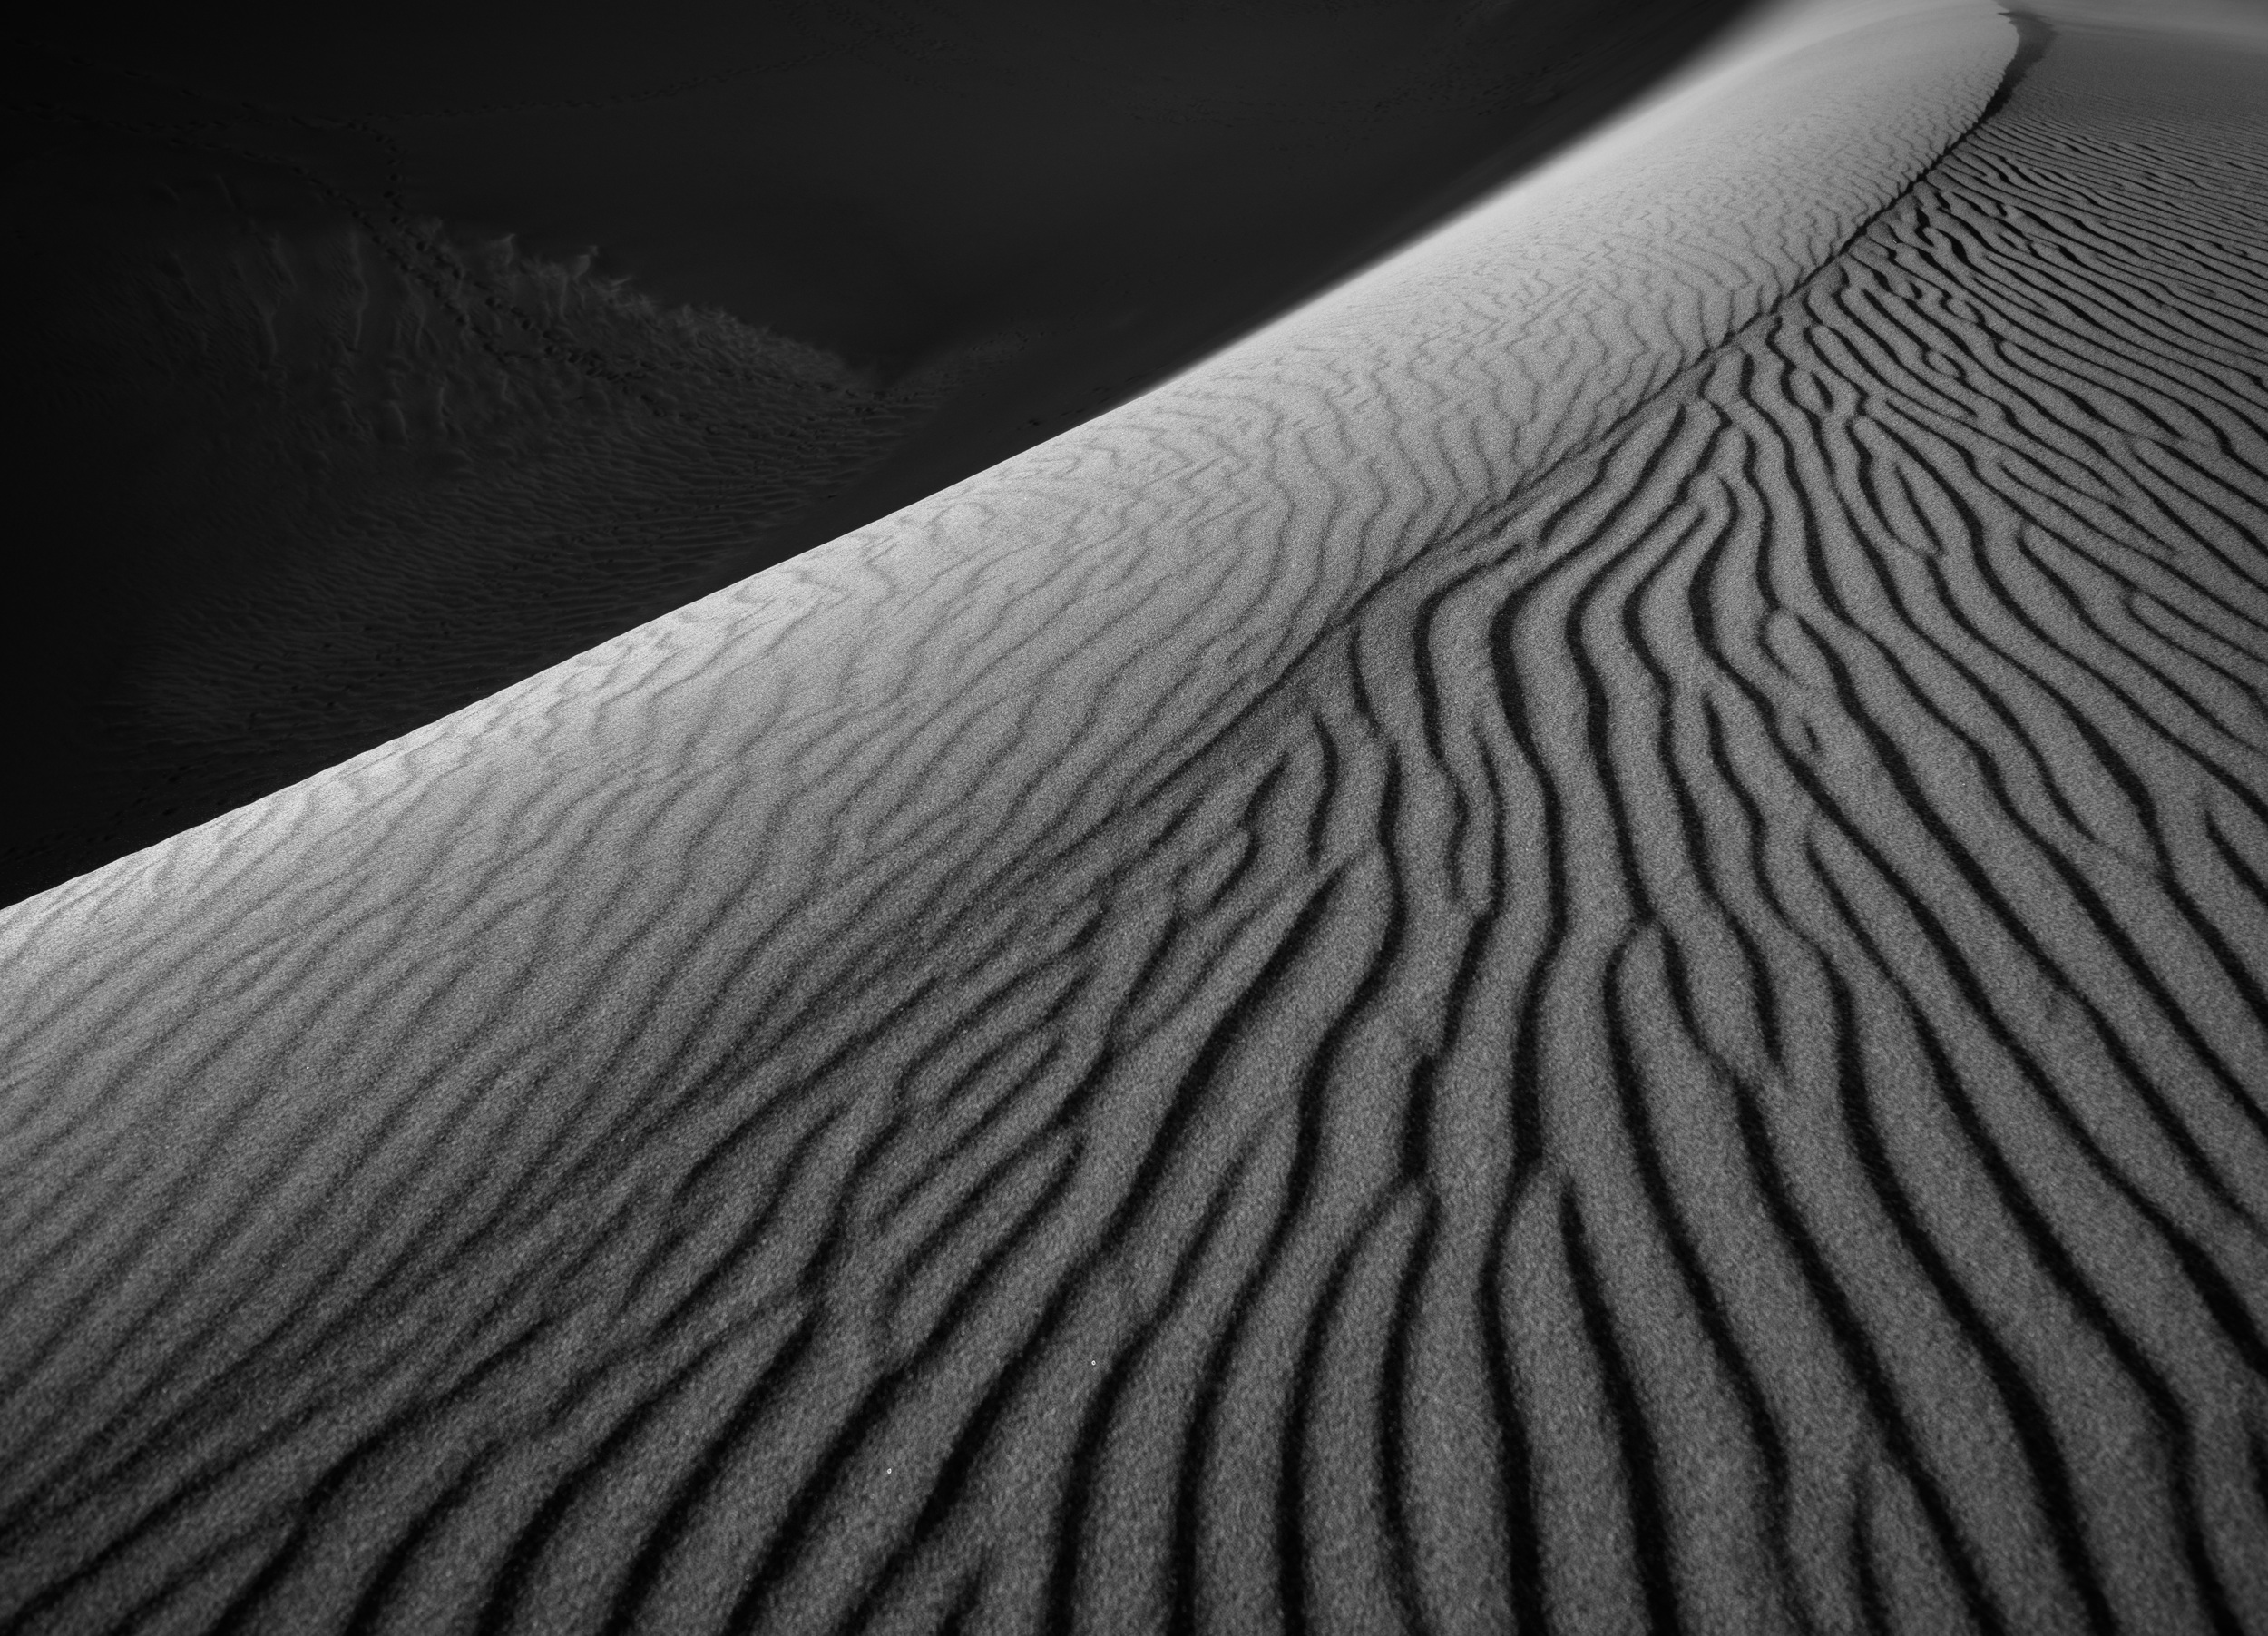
(362, 363)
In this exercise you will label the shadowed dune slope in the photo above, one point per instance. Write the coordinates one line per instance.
(1622, 989)
(292, 493)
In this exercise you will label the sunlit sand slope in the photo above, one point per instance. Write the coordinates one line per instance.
(1577, 942)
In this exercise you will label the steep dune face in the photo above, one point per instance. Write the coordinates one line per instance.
(1578, 941)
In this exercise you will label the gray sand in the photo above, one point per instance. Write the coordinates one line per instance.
(1576, 943)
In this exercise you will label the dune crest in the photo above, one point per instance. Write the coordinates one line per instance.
(1352, 435)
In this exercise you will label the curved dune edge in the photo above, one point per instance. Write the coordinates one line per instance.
(315, 467)
(1675, 1042)
(1157, 567)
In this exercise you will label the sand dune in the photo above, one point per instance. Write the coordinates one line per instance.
(1576, 943)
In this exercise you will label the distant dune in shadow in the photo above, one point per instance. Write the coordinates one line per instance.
(1576, 943)
(366, 361)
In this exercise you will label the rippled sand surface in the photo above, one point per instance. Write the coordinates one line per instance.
(1576, 944)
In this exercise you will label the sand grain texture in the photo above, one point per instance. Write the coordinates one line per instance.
(1577, 944)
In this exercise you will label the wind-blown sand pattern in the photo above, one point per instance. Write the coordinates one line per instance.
(1577, 944)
